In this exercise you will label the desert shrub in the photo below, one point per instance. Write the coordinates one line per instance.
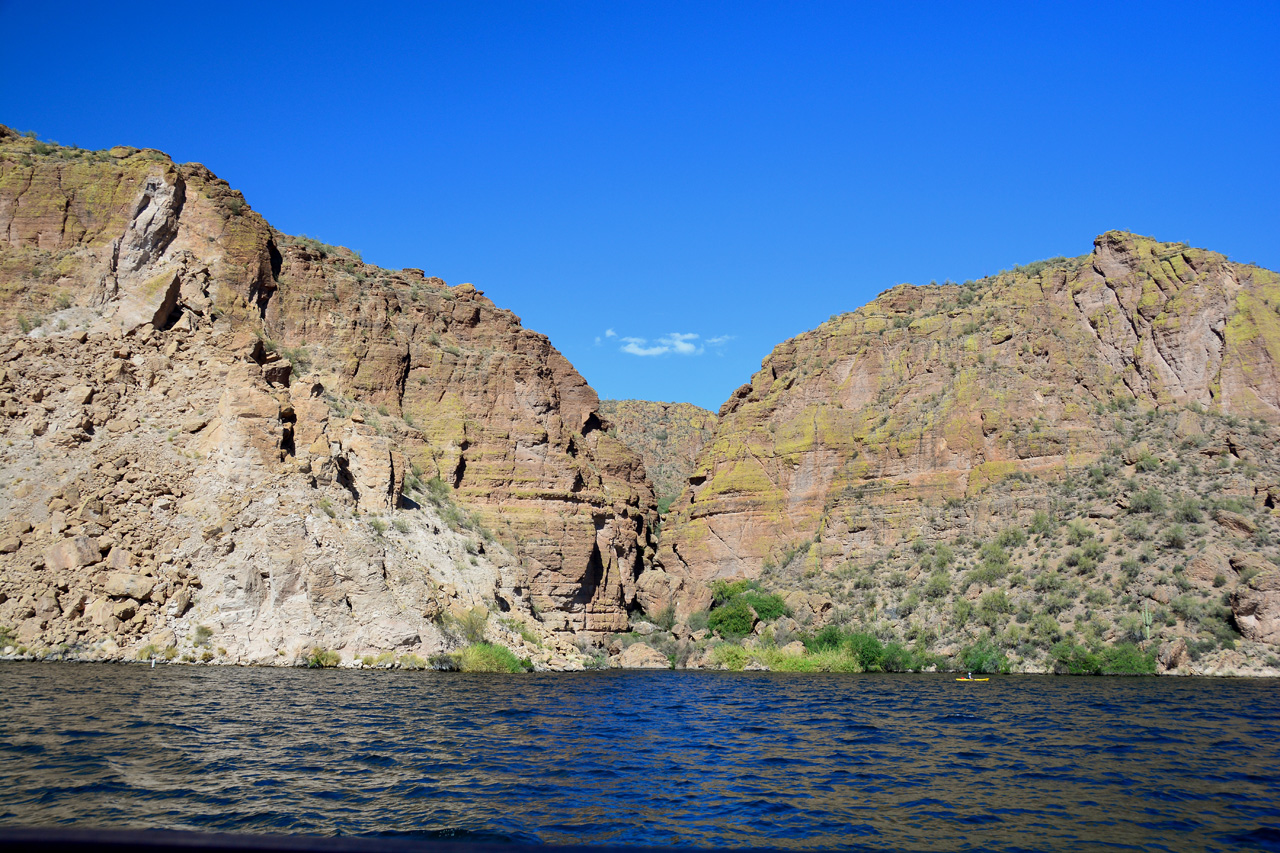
(1188, 512)
(732, 619)
(868, 650)
(983, 656)
(1041, 523)
(1149, 501)
(322, 658)
(985, 574)
(993, 606)
(1126, 659)
(472, 624)
(1047, 581)
(1175, 538)
(899, 658)
(664, 618)
(1070, 658)
(993, 554)
(829, 637)
(1078, 533)
(487, 657)
(938, 586)
(1097, 595)
(961, 611)
(767, 605)
(943, 556)
(1146, 462)
(1046, 629)
(1011, 537)
(723, 591)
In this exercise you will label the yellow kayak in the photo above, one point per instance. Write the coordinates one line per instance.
(973, 679)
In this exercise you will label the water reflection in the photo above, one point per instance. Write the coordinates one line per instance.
(705, 759)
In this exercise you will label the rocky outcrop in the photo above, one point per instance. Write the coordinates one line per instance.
(668, 437)
(640, 656)
(1059, 452)
(275, 408)
(1256, 607)
(931, 394)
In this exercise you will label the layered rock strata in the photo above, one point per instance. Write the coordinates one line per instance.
(268, 392)
(667, 436)
(933, 393)
(1082, 443)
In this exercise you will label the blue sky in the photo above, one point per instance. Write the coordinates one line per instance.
(668, 190)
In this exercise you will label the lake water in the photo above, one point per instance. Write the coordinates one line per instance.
(875, 762)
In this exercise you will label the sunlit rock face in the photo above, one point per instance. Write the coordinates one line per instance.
(264, 400)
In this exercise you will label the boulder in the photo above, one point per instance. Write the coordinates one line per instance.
(1256, 607)
(74, 553)
(1207, 566)
(1172, 654)
(1235, 521)
(100, 613)
(657, 590)
(640, 656)
(126, 585)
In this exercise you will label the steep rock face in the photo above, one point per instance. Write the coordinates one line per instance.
(337, 376)
(932, 394)
(667, 436)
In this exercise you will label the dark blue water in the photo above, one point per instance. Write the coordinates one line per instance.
(879, 762)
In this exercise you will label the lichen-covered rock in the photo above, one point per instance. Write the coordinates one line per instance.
(255, 416)
(851, 434)
(667, 436)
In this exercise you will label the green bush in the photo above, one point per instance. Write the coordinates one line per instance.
(487, 657)
(322, 658)
(830, 637)
(1127, 659)
(868, 649)
(1146, 462)
(1175, 538)
(472, 624)
(1012, 537)
(723, 591)
(1122, 659)
(939, 585)
(1041, 523)
(1149, 501)
(767, 605)
(984, 656)
(732, 620)
(943, 556)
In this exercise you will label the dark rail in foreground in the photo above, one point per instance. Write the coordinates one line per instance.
(57, 839)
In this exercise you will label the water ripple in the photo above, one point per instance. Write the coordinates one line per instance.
(691, 759)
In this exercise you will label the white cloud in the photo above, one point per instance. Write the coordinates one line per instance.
(637, 346)
(719, 340)
(681, 344)
(677, 343)
(597, 340)
(610, 333)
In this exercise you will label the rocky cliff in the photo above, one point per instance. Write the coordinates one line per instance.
(209, 423)
(1065, 443)
(667, 436)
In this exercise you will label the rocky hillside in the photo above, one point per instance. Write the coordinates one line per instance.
(1061, 451)
(667, 436)
(210, 424)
